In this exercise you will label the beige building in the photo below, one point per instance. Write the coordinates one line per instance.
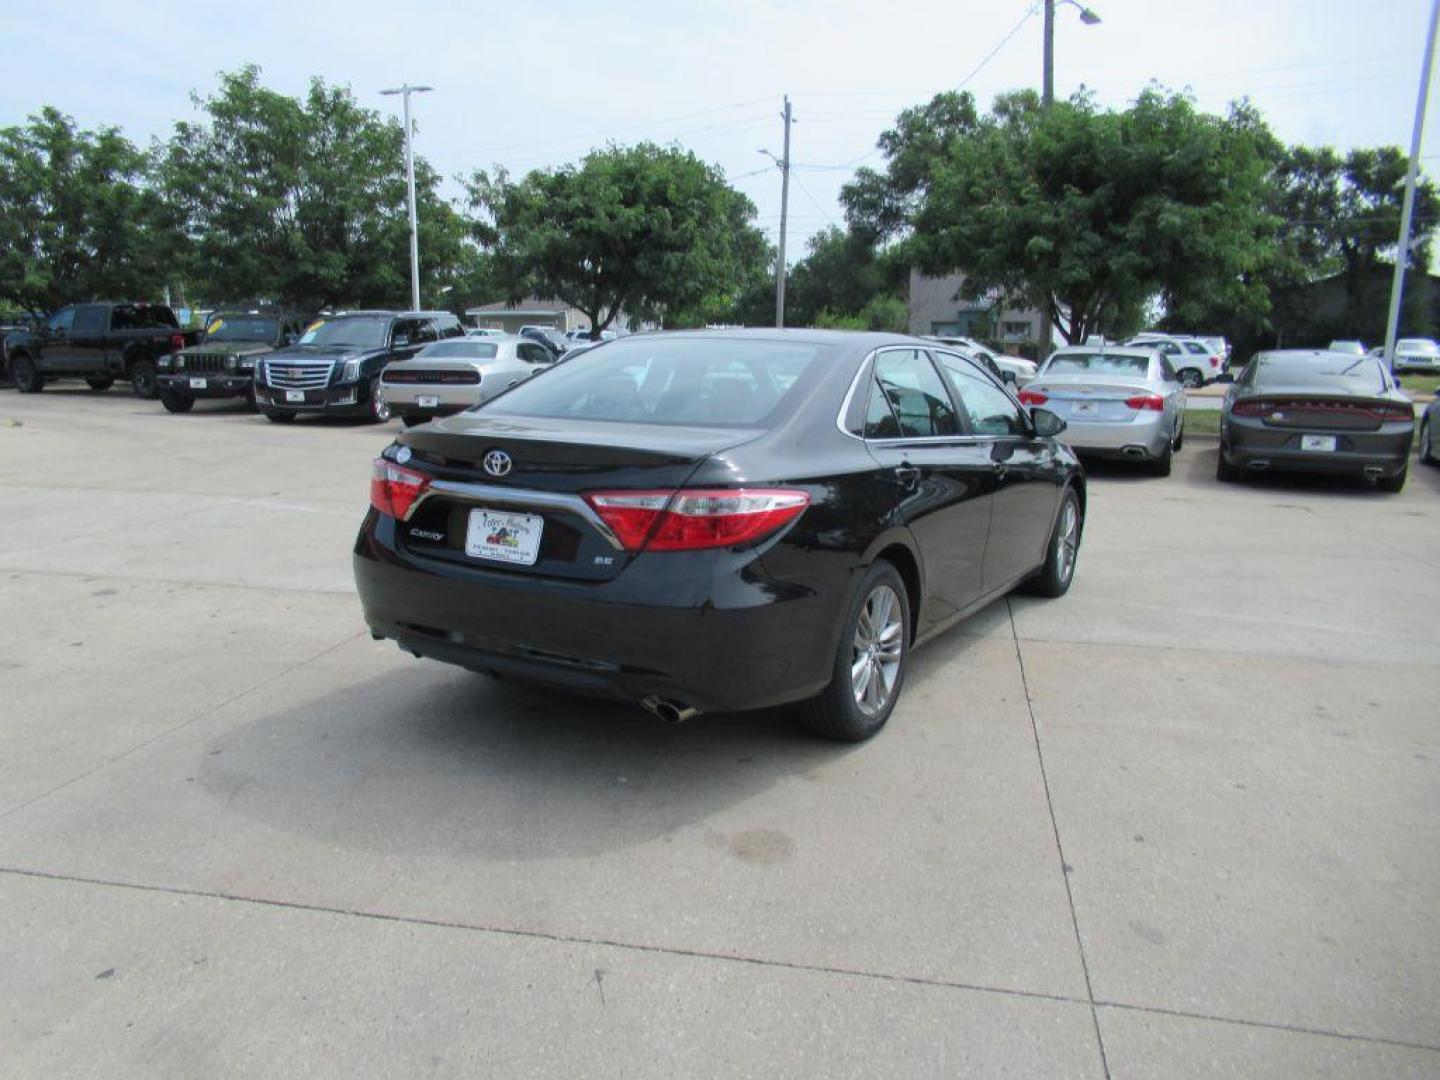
(938, 305)
(529, 312)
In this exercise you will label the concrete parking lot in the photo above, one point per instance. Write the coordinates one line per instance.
(1184, 822)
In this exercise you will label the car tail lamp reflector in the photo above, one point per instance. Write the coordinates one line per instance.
(1144, 402)
(1033, 397)
(394, 488)
(1214, 361)
(691, 519)
(1258, 409)
(1398, 413)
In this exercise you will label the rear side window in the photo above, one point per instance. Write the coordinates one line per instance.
(724, 382)
(1098, 364)
(89, 319)
(64, 319)
(1195, 347)
(916, 393)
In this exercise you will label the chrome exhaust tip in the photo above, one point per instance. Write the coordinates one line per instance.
(1374, 471)
(1134, 452)
(672, 712)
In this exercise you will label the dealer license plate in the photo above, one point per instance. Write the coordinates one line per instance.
(295, 395)
(504, 537)
(427, 402)
(198, 384)
(1324, 443)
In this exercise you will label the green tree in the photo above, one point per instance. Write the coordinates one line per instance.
(843, 273)
(77, 218)
(652, 231)
(303, 200)
(1083, 213)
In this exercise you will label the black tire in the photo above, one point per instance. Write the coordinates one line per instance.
(1063, 552)
(1180, 435)
(99, 384)
(1224, 471)
(1160, 466)
(142, 379)
(409, 420)
(836, 712)
(1393, 484)
(1191, 379)
(1427, 446)
(176, 403)
(379, 407)
(28, 379)
(275, 416)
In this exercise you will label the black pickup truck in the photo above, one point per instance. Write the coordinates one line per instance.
(223, 365)
(99, 343)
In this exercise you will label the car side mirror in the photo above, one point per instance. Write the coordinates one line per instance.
(1047, 424)
(1225, 378)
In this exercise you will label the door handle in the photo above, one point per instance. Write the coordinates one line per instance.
(907, 474)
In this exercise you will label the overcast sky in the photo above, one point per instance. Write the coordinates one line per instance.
(528, 85)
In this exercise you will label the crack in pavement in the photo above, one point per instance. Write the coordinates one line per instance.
(559, 938)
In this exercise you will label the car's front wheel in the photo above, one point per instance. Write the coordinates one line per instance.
(277, 416)
(870, 661)
(176, 403)
(99, 384)
(142, 379)
(1053, 579)
(1427, 446)
(379, 407)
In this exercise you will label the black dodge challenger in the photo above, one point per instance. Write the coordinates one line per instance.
(721, 520)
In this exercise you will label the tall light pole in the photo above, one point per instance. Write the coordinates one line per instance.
(784, 164)
(1407, 209)
(1047, 98)
(406, 90)
(1088, 17)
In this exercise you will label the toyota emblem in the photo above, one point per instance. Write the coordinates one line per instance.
(498, 463)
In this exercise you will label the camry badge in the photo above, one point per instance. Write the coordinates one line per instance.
(498, 463)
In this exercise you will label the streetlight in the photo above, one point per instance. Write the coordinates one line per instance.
(1088, 17)
(407, 90)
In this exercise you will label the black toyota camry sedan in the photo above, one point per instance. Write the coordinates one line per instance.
(717, 521)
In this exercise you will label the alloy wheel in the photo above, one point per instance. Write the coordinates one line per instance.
(877, 650)
(1068, 539)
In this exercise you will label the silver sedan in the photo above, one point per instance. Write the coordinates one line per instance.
(1116, 402)
(459, 373)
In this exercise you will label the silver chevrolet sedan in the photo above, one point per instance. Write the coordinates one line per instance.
(1123, 402)
(459, 373)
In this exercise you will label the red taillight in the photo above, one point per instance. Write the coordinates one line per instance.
(1033, 397)
(1153, 402)
(1252, 408)
(177, 341)
(394, 488)
(1214, 361)
(690, 519)
(1390, 414)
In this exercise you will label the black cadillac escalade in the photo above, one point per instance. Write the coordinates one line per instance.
(335, 366)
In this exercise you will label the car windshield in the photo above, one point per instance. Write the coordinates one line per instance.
(720, 382)
(1354, 348)
(1361, 375)
(1098, 363)
(242, 328)
(366, 332)
(459, 349)
(1418, 345)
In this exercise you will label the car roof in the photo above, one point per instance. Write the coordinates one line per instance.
(1106, 350)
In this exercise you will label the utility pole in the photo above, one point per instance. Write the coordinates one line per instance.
(784, 214)
(406, 90)
(1047, 84)
(1407, 210)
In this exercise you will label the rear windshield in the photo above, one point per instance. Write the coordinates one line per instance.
(1418, 345)
(1097, 364)
(461, 349)
(366, 332)
(658, 380)
(1360, 375)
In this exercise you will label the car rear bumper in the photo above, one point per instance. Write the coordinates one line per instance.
(711, 632)
(1251, 445)
(1136, 438)
(1416, 363)
(406, 397)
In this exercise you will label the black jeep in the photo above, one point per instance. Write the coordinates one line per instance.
(335, 366)
(223, 364)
